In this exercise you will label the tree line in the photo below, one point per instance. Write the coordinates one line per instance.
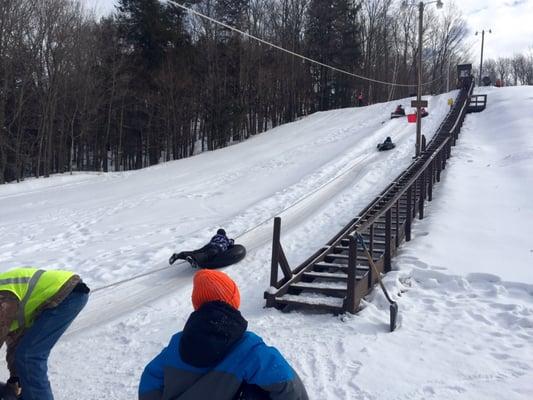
(511, 71)
(151, 83)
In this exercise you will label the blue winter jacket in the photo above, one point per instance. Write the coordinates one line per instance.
(221, 355)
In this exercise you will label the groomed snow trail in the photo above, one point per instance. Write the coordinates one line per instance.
(463, 335)
(119, 225)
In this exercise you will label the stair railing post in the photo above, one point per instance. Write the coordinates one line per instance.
(371, 244)
(422, 195)
(408, 215)
(438, 160)
(275, 253)
(388, 241)
(415, 190)
(350, 303)
(397, 223)
(430, 181)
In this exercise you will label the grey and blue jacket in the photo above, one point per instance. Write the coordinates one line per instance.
(214, 357)
(221, 241)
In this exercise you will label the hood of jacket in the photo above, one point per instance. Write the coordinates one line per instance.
(210, 334)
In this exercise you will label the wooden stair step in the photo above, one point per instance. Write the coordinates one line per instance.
(343, 267)
(326, 276)
(329, 304)
(378, 245)
(361, 256)
(327, 289)
(339, 256)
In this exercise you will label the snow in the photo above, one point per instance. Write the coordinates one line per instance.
(463, 284)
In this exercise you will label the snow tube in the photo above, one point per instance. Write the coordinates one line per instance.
(231, 256)
(395, 115)
(386, 146)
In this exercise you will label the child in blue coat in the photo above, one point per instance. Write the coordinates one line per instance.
(215, 357)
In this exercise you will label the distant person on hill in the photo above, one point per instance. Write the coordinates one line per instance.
(215, 357)
(386, 145)
(360, 100)
(218, 244)
(399, 111)
(36, 308)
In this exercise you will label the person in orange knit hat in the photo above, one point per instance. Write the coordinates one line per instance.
(215, 357)
(210, 285)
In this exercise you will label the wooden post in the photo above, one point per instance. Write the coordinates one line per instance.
(275, 253)
(349, 305)
(430, 181)
(422, 195)
(398, 223)
(439, 165)
(371, 245)
(388, 234)
(413, 211)
(408, 216)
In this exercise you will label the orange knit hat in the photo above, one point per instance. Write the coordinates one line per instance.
(211, 285)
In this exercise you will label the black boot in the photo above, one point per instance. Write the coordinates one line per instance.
(175, 257)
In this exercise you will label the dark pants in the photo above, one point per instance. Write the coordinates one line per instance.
(33, 349)
(205, 254)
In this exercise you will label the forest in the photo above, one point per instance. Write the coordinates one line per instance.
(152, 83)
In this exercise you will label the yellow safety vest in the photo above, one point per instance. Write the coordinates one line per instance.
(33, 287)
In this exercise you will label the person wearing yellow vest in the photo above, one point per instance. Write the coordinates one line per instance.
(36, 308)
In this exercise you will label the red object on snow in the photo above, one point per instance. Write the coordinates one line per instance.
(411, 117)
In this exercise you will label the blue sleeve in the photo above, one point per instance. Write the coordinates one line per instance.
(269, 370)
(151, 385)
(267, 367)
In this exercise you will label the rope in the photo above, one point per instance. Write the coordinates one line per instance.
(300, 200)
(292, 52)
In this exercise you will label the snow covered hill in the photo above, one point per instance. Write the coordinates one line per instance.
(465, 280)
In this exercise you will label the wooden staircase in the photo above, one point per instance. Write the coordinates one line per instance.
(337, 276)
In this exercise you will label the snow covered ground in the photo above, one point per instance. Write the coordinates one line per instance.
(466, 280)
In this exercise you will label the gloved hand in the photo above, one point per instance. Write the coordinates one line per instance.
(175, 256)
(173, 259)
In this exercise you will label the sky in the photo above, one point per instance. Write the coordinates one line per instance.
(509, 21)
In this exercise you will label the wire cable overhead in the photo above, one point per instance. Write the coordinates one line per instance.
(263, 41)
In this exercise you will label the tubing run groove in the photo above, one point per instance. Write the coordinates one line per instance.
(257, 226)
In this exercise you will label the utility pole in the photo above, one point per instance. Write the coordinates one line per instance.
(419, 91)
(481, 62)
(419, 103)
(448, 75)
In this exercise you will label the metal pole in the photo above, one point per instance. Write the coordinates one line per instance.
(448, 75)
(481, 63)
(419, 91)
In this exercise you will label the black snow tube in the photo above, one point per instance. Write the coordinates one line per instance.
(231, 256)
(396, 115)
(386, 146)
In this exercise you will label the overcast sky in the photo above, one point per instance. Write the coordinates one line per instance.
(510, 21)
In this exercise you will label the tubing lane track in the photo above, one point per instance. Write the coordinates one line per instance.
(111, 303)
